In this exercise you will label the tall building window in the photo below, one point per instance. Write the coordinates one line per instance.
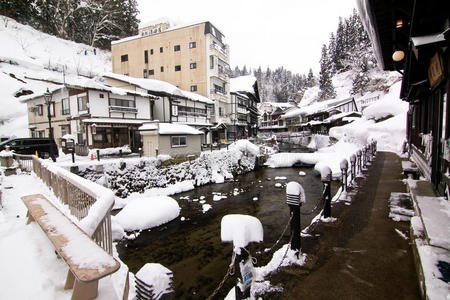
(65, 107)
(162, 69)
(124, 58)
(177, 68)
(193, 88)
(211, 61)
(176, 48)
(151, 72)
(161, 49)
(146, 56)
(193, 65)
(192, 45)
(82, 103)
(151, 51)
(145, 73)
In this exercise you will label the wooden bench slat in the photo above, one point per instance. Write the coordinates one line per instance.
(57, 226)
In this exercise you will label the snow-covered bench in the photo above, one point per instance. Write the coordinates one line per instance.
(87, 261)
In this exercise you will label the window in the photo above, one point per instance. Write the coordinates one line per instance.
(151, 51)
(41, 133)
(66, 107)
(52, 109)
(82, 103)
(39, 111)
(192, 45)
(193, 65)
(101, 96)
(145, 73)
(211, 61)
(176, 48)
(221, 112)
(151, 72)
(161, 49)
(122, 102)
(146, 56)
(178, 141)
(162, 69)
(174, 110)
(124, 58)
(219, 89)
(177, 68)
(193, 88)
(65, 129)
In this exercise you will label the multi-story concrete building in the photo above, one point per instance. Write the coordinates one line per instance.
(192, 57)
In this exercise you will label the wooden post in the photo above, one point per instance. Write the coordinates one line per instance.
(344, 168)
(352, 166)
(326, 180)
(295, 196)
(358, 154)
(98, 154)
(240, 260)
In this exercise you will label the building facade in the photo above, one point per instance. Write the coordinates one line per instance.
(97, 116)
(192, 57)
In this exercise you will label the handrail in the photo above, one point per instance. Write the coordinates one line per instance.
(73, 193)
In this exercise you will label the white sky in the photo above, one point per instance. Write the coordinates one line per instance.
(287, 33)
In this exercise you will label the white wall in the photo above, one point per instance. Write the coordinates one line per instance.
(98, 106)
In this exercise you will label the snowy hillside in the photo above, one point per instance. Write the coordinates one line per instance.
(26, 55)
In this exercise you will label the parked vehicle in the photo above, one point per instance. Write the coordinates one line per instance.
(45, 147)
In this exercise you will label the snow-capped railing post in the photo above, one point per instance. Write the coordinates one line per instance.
(241, 230)
(326, 180)
(295, 196)
(344, 168)
(352, 166)
(374, 148)
(358, 154)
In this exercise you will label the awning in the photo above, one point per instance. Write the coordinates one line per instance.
(113, 121)
(420, 41)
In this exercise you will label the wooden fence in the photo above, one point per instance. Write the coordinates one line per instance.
(76, 196)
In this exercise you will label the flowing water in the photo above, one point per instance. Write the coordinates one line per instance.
(192, 248)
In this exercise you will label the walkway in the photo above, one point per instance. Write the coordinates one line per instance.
(364, 255)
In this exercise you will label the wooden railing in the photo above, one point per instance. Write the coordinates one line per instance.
(77, 197)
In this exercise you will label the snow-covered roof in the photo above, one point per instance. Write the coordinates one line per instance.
(151, 23)
(316, 107)
(158, 86)
(342, 116)
(170, 128)
(77, 82)
(277, 104)
(242, 84)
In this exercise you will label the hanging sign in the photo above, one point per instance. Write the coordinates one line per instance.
(247, 272)
(435, 70)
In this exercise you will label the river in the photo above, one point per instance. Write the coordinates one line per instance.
(192, 248)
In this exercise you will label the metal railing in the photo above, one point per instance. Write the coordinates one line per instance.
(78, 198)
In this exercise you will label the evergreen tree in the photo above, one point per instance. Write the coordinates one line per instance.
(325, 83)
(311, 80)
(339, 51)
(20, 10)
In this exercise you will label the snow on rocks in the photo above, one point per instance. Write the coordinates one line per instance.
(301, 173)
(218, 197)
(147, 212)
(241, 230)
(206, 207)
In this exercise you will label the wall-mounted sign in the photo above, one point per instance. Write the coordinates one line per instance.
(435, 70)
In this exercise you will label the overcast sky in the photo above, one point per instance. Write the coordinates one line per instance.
(287, 33)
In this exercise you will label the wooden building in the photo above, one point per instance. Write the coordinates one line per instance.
(412, 37)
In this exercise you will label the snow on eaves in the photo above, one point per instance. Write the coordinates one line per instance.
(158, 86)
(170, 128)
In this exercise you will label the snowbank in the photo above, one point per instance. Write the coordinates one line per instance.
(147, 212)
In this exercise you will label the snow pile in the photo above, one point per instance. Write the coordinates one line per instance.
(242, 84)
(241, 230)
(319, 141)
(147, 212)
(290, 258)
(158, 276)
(389, 133)
(245, 147)
(110, 151)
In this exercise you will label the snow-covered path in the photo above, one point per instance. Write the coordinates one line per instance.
(29, 266)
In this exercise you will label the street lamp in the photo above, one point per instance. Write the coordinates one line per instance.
(48, 102)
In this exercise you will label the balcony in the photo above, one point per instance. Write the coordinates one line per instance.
(123, 109)
(221, 50)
